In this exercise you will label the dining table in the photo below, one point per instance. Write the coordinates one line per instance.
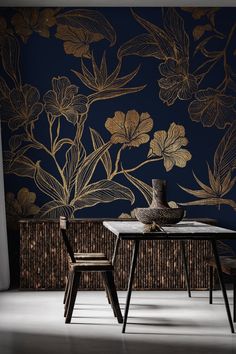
(182, 231)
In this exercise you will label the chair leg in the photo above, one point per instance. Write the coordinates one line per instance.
(66, 288)
(113, 295)
(211, 274)
(234, 301)
(73, 293)
(69, 287)
(106, 286)
(186, 270)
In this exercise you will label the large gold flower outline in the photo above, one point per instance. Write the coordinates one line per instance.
(129, 129)
(20, 206)
(77, 40)
(169, 146)
(22, 107)
(29, 20)
(212, 107)
(63, 100)
(177, 81)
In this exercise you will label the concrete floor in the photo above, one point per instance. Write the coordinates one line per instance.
(160, 322)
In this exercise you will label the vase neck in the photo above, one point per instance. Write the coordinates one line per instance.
(159, 200)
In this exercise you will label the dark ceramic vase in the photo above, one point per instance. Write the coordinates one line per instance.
(159, 211)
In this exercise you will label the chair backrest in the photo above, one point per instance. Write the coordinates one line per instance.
(64, 223)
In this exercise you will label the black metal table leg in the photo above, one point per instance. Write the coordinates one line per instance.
(222, 285)
(234, 301)
(211, 277)
(130, 282)
(186, 273)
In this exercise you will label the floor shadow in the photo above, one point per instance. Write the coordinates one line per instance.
(25, 343)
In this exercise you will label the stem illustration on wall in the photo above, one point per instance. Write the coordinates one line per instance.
(221, 180)
(212, 106)
(73, 184)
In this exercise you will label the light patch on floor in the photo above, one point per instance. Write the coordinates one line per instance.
(160, 322)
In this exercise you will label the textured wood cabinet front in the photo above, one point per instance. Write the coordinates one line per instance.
(43, 261)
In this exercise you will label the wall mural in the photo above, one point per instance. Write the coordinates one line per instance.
(95, 102)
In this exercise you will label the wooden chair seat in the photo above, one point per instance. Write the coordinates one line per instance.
(92, 265)
(81, 255)
(228, 264)
(87, 262)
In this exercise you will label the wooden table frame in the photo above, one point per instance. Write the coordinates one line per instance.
(184, 231)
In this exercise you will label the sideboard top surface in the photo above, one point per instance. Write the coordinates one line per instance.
(100, 220)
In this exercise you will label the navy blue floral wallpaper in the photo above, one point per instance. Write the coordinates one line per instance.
(95, 102)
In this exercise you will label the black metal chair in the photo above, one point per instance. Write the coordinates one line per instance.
(87, 262)
(228, 265)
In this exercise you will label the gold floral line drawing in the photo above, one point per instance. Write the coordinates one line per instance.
(20, 206)
(212, 106)
(171, 46)
(221, 179)
(65, 170)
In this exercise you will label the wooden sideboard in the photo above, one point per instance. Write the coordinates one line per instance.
(43, 261)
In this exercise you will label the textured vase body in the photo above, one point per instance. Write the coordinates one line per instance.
(159, 200)
(159, 211)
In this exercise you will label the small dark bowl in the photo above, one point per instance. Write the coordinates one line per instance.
(159, 216)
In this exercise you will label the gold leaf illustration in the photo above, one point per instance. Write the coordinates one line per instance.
(130, 129)
(104, 191)
(174, 27)
(169, 146)
(48, 184)
(199, 193)
(4, 90)
(59, 144)
(227, 184)
(88, 166)
(77, 40)
(90, 20)
(165, 43)
(106, 157)
(106, 86)
(10, 53)
(21, 166)
(212, 201)
(225, 155)
(214, 182)
(206, 188)
(143, 45)
(110, 93)
(54, 209)
(221, 182)
(75, 155)
(212, 107)
(144, 188)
